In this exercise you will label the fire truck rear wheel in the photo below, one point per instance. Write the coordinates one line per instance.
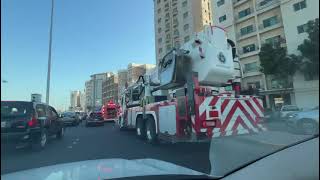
(151, 134)
(140, 129)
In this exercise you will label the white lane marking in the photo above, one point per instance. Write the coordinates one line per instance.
(69, 147)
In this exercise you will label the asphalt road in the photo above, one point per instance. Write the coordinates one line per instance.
(82, 143)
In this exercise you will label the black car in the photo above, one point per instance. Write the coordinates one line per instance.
(94, 118)
(70, 119)
(30, 124)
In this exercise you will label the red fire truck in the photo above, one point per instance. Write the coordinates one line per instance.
(110, 111)
(194, 96)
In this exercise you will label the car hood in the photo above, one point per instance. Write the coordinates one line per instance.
(101, 169)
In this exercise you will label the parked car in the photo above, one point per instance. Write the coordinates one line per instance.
(70, 118)
(30, 124)
(94, 118)
(305, 122)
(270, 115)
(288, 109)
(82, 116)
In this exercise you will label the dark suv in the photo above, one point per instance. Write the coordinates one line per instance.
(26, 123)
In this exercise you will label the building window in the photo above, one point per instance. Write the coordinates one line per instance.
(300, 5)
(185, 3)
(159, 10)
(186, 39)
(168, 37)
(264, 2)
(159, 30)
(274, 41)
(249, 48)
(244, 13)
(246, 30)
(166, 5)
(222, 18)
(167, 15)
(168, 25)
(160, 40)
(255, 85)
(160, 50)
(159, 20)
(168, 47)
(177, 44)
(176, 32)
(270, 21)
(186, 27)
(302, 28)
(158, 1)
(251, 67)
(220, 3)
(185, 15)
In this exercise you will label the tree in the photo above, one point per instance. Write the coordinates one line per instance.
(275, 61)
(310, 50)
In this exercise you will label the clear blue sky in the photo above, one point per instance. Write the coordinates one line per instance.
(89, 36)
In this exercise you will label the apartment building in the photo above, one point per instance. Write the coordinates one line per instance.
(83, 100)
(94, 90)
(296, 13)
(135, 70)
(251, 23)
(122, 81)
(176, 20)
(110, 89)
(75, 100)
(89, 94)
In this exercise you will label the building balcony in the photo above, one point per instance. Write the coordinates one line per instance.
(270, 4)
(237, 3)
(241, 36)
(263, 29)
(175, 11)
(244, 18)
(248, 54)
(251, 73)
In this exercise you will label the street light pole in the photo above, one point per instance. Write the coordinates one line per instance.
(49, 58)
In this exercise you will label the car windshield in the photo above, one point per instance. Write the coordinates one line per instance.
(131, 88)
(15, 109)
(68, 114)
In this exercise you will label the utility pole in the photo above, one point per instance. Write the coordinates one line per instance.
(49, 58)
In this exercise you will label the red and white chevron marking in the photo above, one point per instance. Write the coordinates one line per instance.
(236, 115)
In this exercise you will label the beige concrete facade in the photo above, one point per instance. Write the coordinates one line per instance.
(176, 20)
(110, 89)
(251, 23)
(122, 81)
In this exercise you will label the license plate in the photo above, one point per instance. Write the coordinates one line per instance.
(3, 124)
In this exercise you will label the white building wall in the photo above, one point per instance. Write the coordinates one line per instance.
(306, 92)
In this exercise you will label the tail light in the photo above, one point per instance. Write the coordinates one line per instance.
(214, 114)
(33, 122)
(208, 123)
